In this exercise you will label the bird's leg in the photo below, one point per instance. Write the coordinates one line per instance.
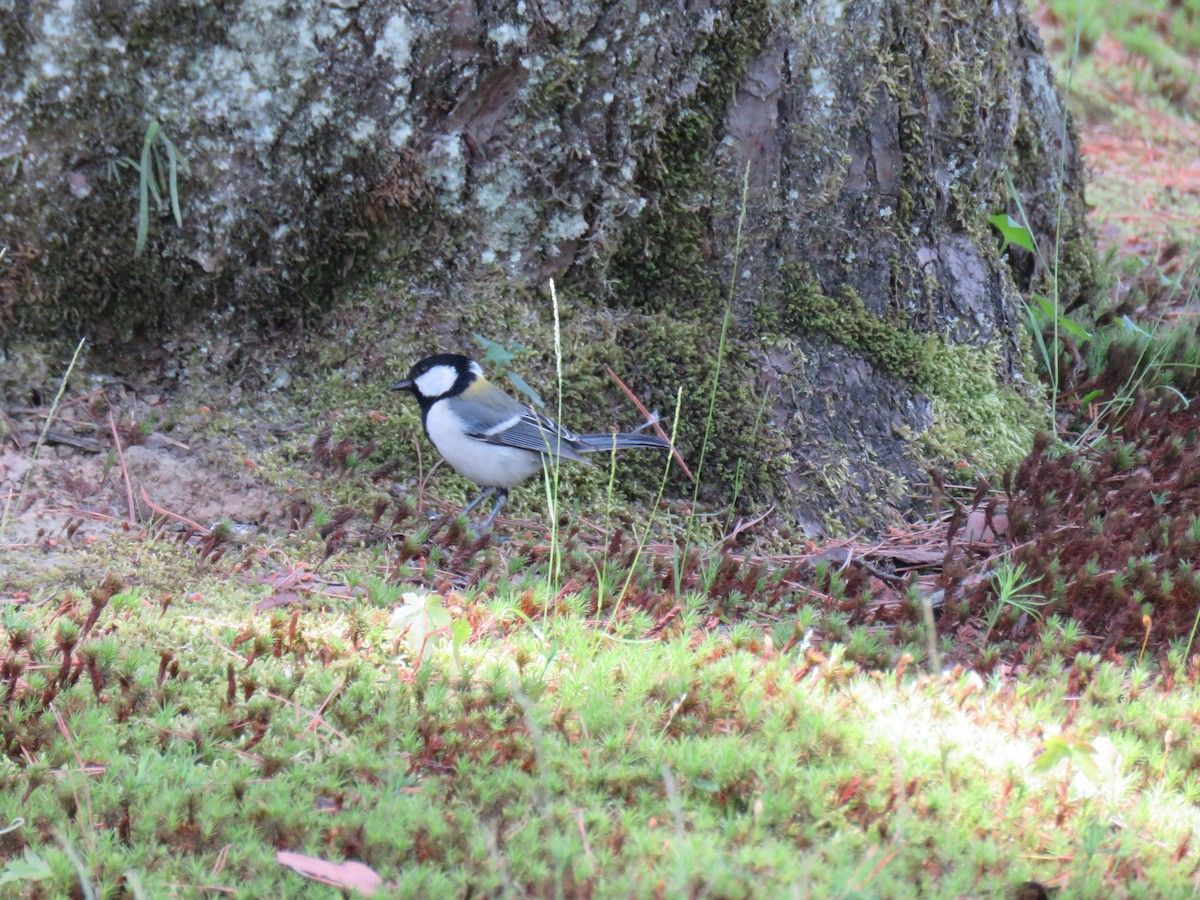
(453, 514)
(501, 496)
(487, 492)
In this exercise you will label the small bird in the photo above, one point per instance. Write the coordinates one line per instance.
(491, 438)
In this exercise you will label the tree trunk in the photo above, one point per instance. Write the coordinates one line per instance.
(823, 172)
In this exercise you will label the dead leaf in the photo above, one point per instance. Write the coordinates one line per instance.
(350, 874)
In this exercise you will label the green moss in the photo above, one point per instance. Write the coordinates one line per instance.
(888, 343)
(976, 416)
(673, 348)
(659, 356)
(665, 259)
(654, 354)
(670, 284)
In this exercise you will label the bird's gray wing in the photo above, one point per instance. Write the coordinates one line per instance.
(522, 428)
(480, 419)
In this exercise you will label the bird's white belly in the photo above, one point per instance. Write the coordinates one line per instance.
(488, 465)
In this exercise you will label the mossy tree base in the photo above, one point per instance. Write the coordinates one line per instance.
(473, 157)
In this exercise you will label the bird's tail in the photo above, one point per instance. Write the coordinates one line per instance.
(621, 440)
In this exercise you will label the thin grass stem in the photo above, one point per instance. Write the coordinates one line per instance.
(718, 363)
(62, 387)
(552, 471)
(645, 534)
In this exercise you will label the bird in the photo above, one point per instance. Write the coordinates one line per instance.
(492, 438)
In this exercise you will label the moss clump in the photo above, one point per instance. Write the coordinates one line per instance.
(654, 354)
(886, 342)
(1110, 534)
(974, 414)
(665, 260)
(673, 348)
(657, 356)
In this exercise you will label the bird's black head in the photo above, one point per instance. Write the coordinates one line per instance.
(442, 375)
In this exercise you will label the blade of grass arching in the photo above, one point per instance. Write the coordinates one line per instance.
(62, 388)
(144, 179)
(133, 880)
(1049, 359)
(1024, 219)
(716, 372)
(612, 480)
(86, 890)
(1039, 338)
(157, 177)
(552, 471)
(173, 178)
(1187, 654)
(601, 579)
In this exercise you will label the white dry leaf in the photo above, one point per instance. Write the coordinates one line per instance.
(350, 875)
(419, 619)
(1107, 779)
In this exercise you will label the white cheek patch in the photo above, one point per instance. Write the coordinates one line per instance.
(436, 381)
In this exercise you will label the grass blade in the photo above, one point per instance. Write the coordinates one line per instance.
(173, 178)
(144, 177)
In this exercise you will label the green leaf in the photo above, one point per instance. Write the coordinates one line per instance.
(1073, 750)
(1012, 231)
(493, 353)
(1089, 397)
(1054, 751)
(31, 868)
(144, 183)
(1074, 329)
(156, 178)
(173, 178)
(521, 385)
(1049, 314)
(439, 616)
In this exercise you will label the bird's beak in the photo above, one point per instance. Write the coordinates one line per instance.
(405, 385)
